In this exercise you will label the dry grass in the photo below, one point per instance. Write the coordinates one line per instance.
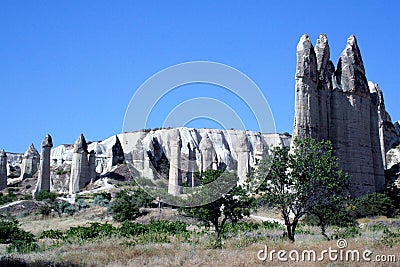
(113, 252)
(240, 250)
(37, 223)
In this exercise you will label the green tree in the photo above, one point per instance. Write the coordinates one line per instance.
(126, 205)
(231, 206)
(303, 181)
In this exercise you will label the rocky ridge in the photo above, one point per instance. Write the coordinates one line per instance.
(149, 152)
(342, 106)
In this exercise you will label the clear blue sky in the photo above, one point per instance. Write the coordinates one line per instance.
(71, 67)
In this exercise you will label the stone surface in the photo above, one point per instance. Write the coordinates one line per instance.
(43, 182)
(243, 157)
(397, 127)
(3, 170)
(80, 166)
(306, 97)
(30, 162)
(339, 106)
(192, 165)
(175, 172)
(118, 156)
(146, 151)
(208, 156)
(389, 137)
(92, 166)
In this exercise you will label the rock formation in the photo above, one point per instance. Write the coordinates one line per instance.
(118, 156)
(92, 166)
(175, 172)
(80, 166)
(43, 182)
(192, 166)
(243, 157)
(148, 152)
(339, 106)
(30, 162)
(3, 170)
(208, 154)
(389, 136)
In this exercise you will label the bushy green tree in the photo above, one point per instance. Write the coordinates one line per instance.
(126, 205)
(303, 181)
(232, 206)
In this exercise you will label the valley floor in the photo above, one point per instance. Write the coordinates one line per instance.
(239, 249)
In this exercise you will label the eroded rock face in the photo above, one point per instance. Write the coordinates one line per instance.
(3, 170)
(243, 157)
(44, 166)
(208, 155)
(30, 162)
(118, 156)
(175, 172)
(389, 137)
(146, 151)
(80, 166)
(92, 166)
(340, 107)
(306, 119)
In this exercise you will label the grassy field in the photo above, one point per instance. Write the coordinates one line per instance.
(196, 247)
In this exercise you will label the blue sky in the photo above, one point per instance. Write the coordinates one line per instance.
(71, 67)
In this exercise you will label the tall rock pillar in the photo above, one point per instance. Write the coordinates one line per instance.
(325, 69)
(80, 166)
(358, 150)
(92, 166)
(337, 105)
(175, 174)
(306, 119)
(243, 167)
(208, 155)
(191, 178)
(43, 182)
(3, 170)
(30, 162)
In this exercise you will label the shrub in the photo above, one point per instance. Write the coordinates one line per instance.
(241, 227)
(70, 209)
(95, 230)
(19, 240)
(340, 217)
(374, 204)
(126, 206)
(46, 195)
(82, 204)
(8, 230)
(60, 207)
(52, 234)
(390, 238)
(6, 198)
(45, 210)
(346, 232)
(102, 200)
